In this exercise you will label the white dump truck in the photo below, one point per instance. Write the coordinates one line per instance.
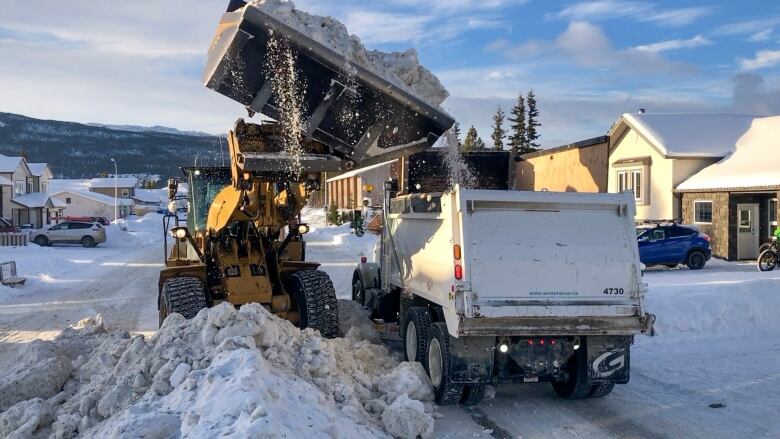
(491, 286)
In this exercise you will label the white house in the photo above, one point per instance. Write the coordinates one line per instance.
(651, 154)
(23, 197)
(80, 203)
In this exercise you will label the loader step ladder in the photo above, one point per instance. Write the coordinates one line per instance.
(8, 275)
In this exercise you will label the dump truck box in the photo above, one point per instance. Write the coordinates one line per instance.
(528, 263)
(361, 116)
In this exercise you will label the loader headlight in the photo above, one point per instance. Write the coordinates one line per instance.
(180, 232)
(503, 348)
(173, 207)
(303, 229)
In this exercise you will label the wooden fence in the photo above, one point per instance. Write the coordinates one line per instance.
(13, 239)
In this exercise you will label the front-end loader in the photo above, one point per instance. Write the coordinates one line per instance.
(243, 240)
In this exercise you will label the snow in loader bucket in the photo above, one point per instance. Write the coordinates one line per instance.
(384, 122)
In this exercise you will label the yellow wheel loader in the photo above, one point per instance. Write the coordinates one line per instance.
(243, 241)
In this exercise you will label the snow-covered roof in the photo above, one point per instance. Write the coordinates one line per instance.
(37, 169)
(151, 195)
(360, 171)
(754, 165)
(94, 196)
(9, 164)
(109, 182)
(34, 200)
(5, 182)
(690, 134)
(61, 184)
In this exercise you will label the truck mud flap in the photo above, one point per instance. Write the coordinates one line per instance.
(609, 359)
(471, 359)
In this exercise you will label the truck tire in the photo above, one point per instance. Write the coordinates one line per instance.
(696, 260)
(315, 296)
(358, 291)
(601, 390)
(576, 385)
(473, 394)
(182, 295)
(438, 359)
(417, 324)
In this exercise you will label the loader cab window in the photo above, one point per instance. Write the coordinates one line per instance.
(204, 185)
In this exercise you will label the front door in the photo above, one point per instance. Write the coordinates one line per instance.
(747, 231)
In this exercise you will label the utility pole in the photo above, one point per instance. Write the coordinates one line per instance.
(116, 190)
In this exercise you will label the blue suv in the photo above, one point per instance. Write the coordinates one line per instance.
(671, 245)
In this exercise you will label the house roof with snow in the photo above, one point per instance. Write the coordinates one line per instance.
(9, 165)
(360, 171)
(38, 169)
(5, 182)
(109, 182)
(151, 196)
(36, 200)
(677, 135)
(94, 196)
(61, 184)
(754, 164)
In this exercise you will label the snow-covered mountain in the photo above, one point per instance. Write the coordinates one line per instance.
(155, 128)
(76, 150)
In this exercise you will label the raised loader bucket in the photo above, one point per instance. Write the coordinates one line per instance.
(362, 117)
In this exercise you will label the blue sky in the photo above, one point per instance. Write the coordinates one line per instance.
(140, 62)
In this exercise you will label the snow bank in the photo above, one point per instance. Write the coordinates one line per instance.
(400, 68)
(226, 373)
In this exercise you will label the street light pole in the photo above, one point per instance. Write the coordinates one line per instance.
(116, 190)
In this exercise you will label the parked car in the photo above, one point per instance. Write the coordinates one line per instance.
(671, 245)
(88, 234)
(6, 227)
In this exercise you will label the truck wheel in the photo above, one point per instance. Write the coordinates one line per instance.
(182, 295)
(41, 241)
(418, 324)
(317, 304)
(576, 385)
(88, 241)
(473, 394)
(358, 292)
(601, 390)
(438, 359)
(767, 261)
(696, 260)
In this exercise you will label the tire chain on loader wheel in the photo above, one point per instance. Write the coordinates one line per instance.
(420, 318)
(473, 394)
(317, 303)
(447, 392)
(182, 295)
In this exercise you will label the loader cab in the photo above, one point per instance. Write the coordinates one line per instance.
(204, 185)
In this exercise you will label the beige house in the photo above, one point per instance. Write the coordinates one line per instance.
(23, 192)
(578, 167)
(41, 174)
(125, 186)
(348, 190)
(80, 203)
(651, 154)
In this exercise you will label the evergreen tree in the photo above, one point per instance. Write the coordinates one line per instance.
(470, 144)
(456, 131)
(498, 130)
(532, 134)
(479, 145)
(517, 135)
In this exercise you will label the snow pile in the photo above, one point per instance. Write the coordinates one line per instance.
(227, 372)
(400, 68)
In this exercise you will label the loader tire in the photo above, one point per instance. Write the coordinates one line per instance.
(182, 295)
(417, 324)
(315, 296)
(438, 360)
(473, 394)
(577, 385)
(601, 390)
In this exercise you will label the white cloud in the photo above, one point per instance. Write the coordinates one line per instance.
(762, 36)
(586, 44)
(748, 27)
(381, 28)
(763, 59)
(642, 11)
(663, 46)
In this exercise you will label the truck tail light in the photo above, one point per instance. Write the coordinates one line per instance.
(458, 272)
(363, 259)
(456, 252)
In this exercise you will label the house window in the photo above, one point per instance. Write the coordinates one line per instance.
(631, 181)
(745, 222)
(18, 188)
(702, 212)
(772, 216)
(67, 200)
(125, 193)
(30, 187)
(43, 187)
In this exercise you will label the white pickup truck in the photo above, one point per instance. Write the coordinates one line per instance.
(494, 286)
